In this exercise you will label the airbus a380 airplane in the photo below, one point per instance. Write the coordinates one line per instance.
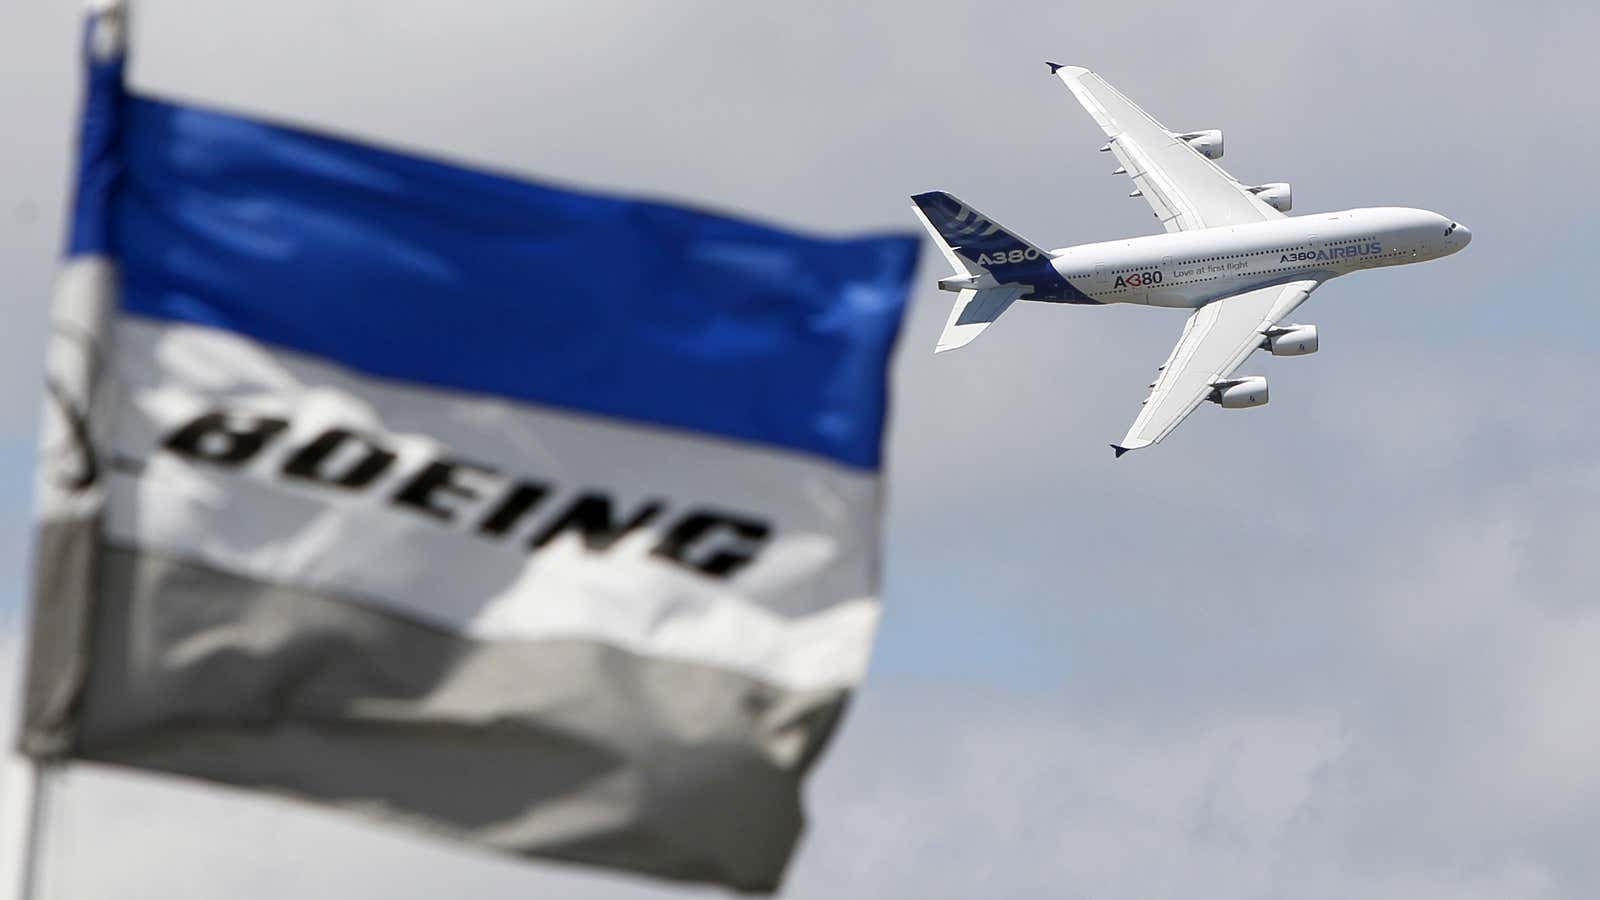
(1230, 255)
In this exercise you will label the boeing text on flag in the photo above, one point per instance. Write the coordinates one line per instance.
(542, 519)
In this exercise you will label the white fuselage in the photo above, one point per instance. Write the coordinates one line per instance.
(1192, 268)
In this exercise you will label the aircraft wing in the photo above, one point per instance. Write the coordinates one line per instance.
(1184, 188)
(1216, 340)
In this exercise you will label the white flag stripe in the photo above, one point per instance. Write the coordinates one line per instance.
(800, 614)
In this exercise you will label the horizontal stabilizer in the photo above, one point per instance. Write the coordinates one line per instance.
(974, 311)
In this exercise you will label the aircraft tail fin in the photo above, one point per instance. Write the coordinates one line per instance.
(973, 242)
(993, 266)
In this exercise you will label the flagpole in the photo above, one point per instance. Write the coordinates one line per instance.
(35, 782)
(39, 777)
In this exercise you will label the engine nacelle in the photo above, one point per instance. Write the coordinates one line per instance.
(1208, 143)
(1277, 194)
(1292, 340)
(1241, 393)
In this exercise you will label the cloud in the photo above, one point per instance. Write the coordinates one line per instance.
(992, 792)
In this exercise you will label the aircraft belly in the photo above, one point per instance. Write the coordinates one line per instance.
(1178, 302)
(1183, 298)
(1110, 297)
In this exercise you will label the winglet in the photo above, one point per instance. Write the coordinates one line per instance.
(1130, 443)
(1054, 67)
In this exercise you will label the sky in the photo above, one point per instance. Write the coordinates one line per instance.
(1344, 645)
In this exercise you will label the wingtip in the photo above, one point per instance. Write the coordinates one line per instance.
(1054, 67)
(1130, 443)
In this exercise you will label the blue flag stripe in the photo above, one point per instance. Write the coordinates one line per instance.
(411, 269)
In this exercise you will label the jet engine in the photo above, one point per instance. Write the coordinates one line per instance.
(1292, 340)
(1241, 393)
(1208, 143)
(1276, 194)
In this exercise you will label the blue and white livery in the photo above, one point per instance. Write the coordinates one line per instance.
(1229, 254)
(541, 518)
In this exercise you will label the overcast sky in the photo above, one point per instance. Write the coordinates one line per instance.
(1346, 645)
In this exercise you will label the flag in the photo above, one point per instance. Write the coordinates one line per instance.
(540, 518)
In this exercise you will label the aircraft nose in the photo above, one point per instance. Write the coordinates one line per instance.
(1463, 234)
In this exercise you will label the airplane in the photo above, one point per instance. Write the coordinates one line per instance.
(1230, 255)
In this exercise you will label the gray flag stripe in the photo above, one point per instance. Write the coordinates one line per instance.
(64, 574)
(567, 749)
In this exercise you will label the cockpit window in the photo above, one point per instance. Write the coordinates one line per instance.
(1451, 230)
